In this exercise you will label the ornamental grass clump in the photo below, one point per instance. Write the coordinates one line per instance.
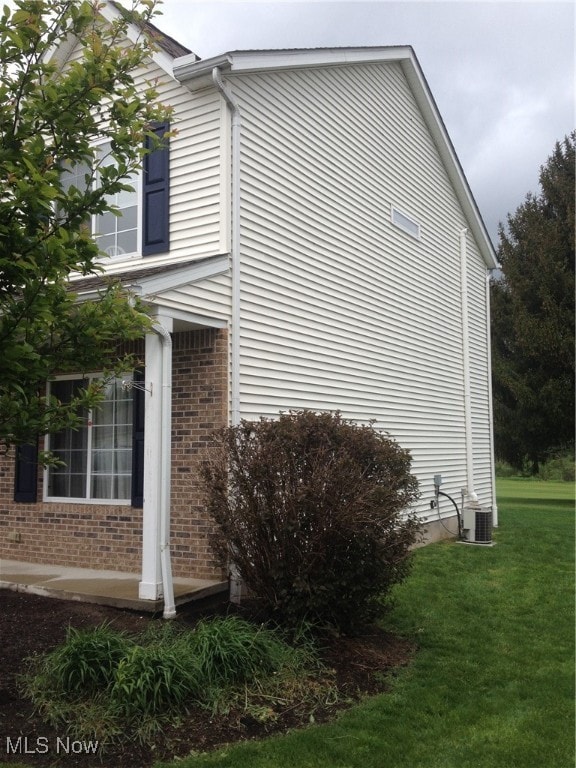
(153, 679)
(314, 512)
(87, 661)
(231, 650)
(101, 684)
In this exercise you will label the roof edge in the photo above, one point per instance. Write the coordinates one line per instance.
(187, 70)
(198, 74)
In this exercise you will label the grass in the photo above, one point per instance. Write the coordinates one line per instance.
(493, 683)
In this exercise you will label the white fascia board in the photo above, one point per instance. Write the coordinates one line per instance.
(187, 70)
(184, 320)
(246, 61)
(61, 51)
(135, 35)
(203, 270)
(431, 114)
(196, 73)
(146, 287)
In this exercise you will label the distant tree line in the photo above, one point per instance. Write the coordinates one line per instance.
(533, 320)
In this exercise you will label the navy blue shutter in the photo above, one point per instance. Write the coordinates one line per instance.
(138, 442)
(26, 473)
(155, 194)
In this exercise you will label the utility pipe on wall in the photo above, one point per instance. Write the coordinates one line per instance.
(466, 366)
(490, 401)
(235, 247)
(165, 471)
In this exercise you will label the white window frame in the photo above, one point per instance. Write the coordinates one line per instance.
(87, 499)
(405, 222)
(136, 183)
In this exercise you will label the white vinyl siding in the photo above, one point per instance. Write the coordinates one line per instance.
(199, 157)
(340, 309)
(199, 167)
(209, 297)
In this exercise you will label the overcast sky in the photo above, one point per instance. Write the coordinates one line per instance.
(502, 73)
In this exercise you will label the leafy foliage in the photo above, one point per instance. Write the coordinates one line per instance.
(87, 661)
(231, 650)
(102, 684)
(533, 320)
(151, 679)
(52, 112)
(310, 508)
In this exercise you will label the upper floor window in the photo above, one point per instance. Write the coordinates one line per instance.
(139, 224)
(117, 233)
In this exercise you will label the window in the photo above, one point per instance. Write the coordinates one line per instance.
(117, 235)
(140, 224)
(96, 459)
(405, 222)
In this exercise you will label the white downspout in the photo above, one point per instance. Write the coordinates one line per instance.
(235, 580)
(490, 402)
(165, 471)
(235, 249)
(466, 367)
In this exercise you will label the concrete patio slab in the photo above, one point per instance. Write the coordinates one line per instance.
(115, 588)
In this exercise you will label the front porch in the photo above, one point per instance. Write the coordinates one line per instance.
(116, 588)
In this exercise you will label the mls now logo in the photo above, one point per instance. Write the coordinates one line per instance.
(41, 745)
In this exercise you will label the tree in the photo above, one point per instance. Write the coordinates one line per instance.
(533, 319)
(53, 113)
(313, 510)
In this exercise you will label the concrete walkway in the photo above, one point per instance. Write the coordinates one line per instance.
(115, 588)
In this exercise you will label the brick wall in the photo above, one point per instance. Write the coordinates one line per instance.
(110, 536)
(200, 398)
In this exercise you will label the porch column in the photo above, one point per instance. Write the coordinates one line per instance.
(150, 587)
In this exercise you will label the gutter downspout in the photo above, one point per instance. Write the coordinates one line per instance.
(466, 367)
(490, 401)
(165, 471)
(235, 248)
(234, 576)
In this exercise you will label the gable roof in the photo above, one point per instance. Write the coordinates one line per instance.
(164, 51)
(168, 44)
(195, 73)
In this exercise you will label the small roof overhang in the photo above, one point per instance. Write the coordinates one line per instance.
(149, 283)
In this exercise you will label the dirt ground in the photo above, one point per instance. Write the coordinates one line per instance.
(30, 624)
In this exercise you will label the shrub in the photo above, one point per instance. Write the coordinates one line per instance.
(559, 467)
(313, 510)
(504, 469)
(87, 660)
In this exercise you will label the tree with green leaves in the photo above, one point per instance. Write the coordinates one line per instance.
(533, 319)
(57, 110)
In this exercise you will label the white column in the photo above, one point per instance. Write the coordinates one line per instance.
(150, 587)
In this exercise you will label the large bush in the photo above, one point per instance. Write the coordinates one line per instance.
(313, 510)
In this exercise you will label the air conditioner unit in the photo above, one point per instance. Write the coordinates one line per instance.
(476, 523)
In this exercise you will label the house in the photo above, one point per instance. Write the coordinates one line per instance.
(306, 240)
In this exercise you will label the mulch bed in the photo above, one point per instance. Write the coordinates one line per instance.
(30, 624)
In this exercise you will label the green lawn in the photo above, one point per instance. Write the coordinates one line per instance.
(493, 683)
